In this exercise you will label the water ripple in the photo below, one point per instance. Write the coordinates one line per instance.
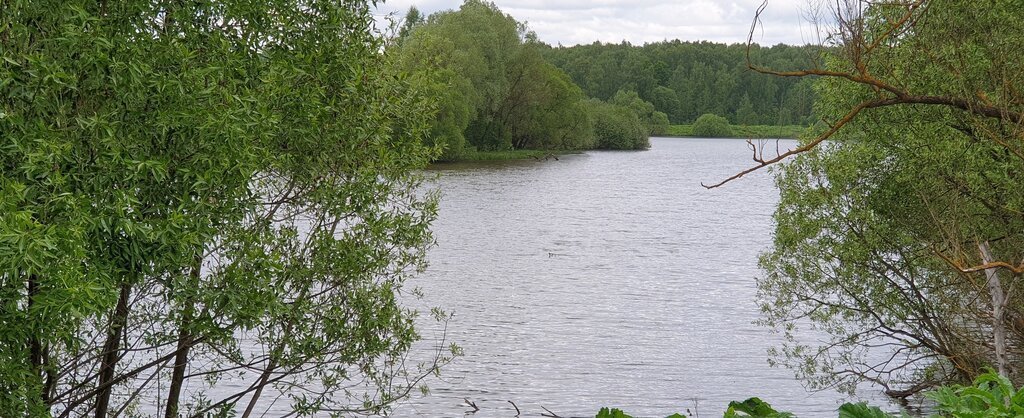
(606, 279)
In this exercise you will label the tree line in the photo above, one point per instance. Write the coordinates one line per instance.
(498, 87)
(685, 80)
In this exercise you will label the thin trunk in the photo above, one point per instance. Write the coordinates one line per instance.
(271, 365)
(259, 389)
(35, 346)
(180, 361)
(110, 351)
(72, 404)
(995, 289)
(272, 362)
(184, 344)
(51, 377)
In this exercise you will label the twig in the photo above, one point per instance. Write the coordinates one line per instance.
(514, 406)
(549, 414)
(472, 404)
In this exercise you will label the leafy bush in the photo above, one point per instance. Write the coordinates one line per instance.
(756, 408)
(617, 127)
(654, 121)
(991, 396)
(611, 413)
(710, 125)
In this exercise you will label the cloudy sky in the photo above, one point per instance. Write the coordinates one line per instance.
(571, 22)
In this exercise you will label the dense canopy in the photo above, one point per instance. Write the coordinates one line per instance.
(900, 236)
(195, 191)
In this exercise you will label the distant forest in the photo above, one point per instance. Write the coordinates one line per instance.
(688, 79)
(495, 86)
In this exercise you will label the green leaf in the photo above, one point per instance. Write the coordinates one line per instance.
(861, 410)
(611, 413)
(754, 407)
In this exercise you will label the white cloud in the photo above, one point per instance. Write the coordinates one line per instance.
(571, 22)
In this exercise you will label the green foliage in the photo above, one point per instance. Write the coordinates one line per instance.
(612, 413)
(756, 408)
(991, 395)
(448, 94)
(655, 121)
(745, 114)
(203, 178)
(667, 101)
(680, 130)
(769, 131)
(876, 227)
(688, 79)
(497, 88)
(753, 407)
(750, 131)
(516, 154)
(861, 410)
(617, 127)
(617, 413)
(494, 89)
(712, 126)
(413, 18)
(553, 113)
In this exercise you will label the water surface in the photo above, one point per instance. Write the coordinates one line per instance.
(606, 279)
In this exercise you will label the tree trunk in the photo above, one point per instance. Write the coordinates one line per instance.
(272, 362)
(51, 377)
(184, 344)
(180, 361)
(995, 289)
(259, 389)
(35, 346)
(110, 351)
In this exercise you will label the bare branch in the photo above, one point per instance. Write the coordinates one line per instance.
(852, 30)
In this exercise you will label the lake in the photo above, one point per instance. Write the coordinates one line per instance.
(605, 279)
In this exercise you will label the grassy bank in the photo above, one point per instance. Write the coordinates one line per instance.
(516, 154)
(746, 131)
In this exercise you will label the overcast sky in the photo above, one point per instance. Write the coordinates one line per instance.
(572, 22)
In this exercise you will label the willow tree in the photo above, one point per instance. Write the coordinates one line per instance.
(655, 121)
(201, 191)
(495, 89)
(898, 234)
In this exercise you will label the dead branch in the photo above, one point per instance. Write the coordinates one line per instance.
(1018, 269)
(854, 34)
(549, 414)
(516, 407)
(803, 148)
(471, 404)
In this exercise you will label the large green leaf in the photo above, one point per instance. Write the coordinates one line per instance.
(861, 410)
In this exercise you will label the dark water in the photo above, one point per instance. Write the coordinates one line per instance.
(606, 279)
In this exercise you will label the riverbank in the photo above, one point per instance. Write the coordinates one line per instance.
(516, 154)
(745, 131)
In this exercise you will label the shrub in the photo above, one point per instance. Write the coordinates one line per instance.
(710, 125)
(617, 127)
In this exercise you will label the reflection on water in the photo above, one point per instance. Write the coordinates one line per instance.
(605, 279)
